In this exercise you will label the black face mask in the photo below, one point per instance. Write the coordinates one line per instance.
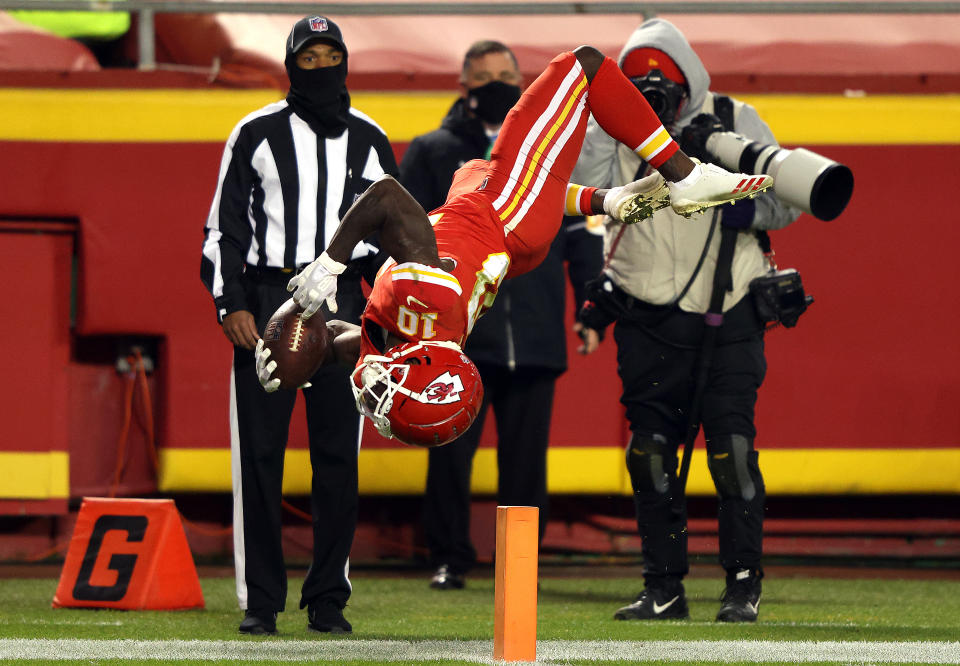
(664, 96)
(491, 101)
(319, 96)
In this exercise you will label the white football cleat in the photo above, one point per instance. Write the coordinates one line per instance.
(714, 187)
(638, 200)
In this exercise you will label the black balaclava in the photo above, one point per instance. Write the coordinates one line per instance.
(492, 101)
(319, 96)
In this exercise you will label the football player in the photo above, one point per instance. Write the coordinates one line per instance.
(500, 216)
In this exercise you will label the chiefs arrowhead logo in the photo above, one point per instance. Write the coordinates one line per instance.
(443, 390)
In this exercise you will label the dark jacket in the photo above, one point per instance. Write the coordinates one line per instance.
(427, 167)
(526, 325)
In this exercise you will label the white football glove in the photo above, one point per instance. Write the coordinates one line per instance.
(638, 200)
(265, 369)
(317, 283)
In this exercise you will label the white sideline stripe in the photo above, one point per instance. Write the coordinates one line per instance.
(481, 652)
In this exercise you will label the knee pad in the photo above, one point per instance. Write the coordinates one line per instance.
(734, 467)
(652, 462)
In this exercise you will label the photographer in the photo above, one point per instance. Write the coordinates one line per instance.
(657, 285)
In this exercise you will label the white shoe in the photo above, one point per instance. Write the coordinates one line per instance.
(714, 187)
(638, 200)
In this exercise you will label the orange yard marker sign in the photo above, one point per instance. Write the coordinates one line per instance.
(130, 554)
(515, 586)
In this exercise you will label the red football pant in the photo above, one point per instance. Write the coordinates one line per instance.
(532, 160)
(525, 181)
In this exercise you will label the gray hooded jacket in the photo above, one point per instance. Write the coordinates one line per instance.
(654, 259)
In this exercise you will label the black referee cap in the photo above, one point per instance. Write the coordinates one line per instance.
(314, 27)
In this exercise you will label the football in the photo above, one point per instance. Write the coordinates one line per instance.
(298, 345)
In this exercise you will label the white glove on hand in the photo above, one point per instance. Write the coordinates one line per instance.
(317, 283)
(638, 200)
(265, 369)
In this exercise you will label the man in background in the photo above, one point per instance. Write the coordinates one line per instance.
(289, 173)
(518, 346)
(657, 286)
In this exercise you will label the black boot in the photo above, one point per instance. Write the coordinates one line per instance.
(326, 617)
(258, 622)
(741, 599)
(445, 579)
(661, 599)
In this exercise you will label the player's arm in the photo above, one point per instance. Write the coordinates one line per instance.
(405, 234)
(344, 343)
(386, 207)
(629, 203)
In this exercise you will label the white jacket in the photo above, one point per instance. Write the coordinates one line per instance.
(654, 259)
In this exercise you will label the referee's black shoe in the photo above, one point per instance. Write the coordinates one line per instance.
(659, 600)
(741, 599)
(445, 579)
(259, 623)
(326, 617)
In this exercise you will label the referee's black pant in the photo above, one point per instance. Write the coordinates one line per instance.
(522, 402)
(259, 425)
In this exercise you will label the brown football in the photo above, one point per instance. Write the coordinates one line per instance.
(298, 345)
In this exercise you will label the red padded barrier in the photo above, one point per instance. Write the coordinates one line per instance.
(873, 363)
(35, 337)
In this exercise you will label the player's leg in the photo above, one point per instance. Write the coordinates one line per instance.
(533, 157)
(623, 112)
(333, 425)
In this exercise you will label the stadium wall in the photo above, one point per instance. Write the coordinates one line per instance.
(104, 194)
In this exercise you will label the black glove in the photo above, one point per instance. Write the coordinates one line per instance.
(738, 215)
(601, 308)
(693, 138)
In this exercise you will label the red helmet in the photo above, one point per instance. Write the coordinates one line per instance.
(439, 389)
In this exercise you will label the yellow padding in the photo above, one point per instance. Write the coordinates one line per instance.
(183, 115)
(209, 115)
(821, 120)
(601, 470)
(34, 474)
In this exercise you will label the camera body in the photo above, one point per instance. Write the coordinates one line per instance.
(664, 96)
(779, 297)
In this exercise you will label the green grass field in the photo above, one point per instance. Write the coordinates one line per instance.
(399, 620)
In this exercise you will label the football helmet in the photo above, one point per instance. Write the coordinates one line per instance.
(421, 393)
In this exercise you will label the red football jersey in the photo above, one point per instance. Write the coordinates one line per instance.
(416, 302)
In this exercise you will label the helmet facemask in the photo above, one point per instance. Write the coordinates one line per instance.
(374, 396)
(381, 378)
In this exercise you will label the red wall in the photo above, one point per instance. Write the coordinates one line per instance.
(35, 338)
(873, 363)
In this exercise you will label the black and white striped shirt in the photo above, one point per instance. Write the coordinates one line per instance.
(281, 194)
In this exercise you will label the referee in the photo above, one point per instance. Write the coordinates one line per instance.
(289, 173)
